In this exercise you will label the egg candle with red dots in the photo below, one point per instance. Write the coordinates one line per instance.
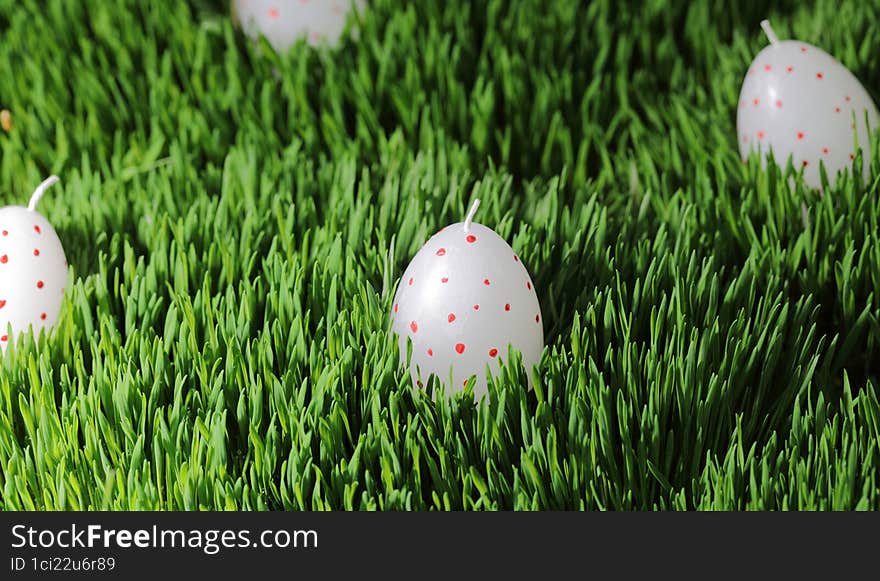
(463, 301)
(284, 22)
(33, 269)
(799, 102)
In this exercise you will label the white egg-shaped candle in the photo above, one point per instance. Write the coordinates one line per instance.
(801, 103)
(464, 300)
(284, 22)
(33, 269)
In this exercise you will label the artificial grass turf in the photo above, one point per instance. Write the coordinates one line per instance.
(236, 222)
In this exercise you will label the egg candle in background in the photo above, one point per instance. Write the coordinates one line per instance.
(800, 102)
(284, 22)
(465, 298)
(33, 269)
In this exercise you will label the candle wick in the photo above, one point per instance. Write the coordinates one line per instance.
(768, 30)
(470, 215)
(41, 189)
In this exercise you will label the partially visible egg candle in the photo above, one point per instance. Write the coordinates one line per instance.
(284, 22)
(33, 269)
(799, 102)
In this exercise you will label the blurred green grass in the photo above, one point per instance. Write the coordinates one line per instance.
(236, 221)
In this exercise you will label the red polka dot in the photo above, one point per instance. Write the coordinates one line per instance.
(36, 251)
(529, 285)
(396, 307)
(507, 307)
(451, 317)
(37, 230)
(471, 238)
(444, 280)
(819, 76)
(459, 348)
(825, 150)
(789, 69)
(768, 67)
(537, 318)
(441, 252)
(515, 258)
(2, 304)
(760, 135)
(414, 327)
(476, 307)
(410, 281)
(5, 233)
(273, 12)
(430, 352)
(848, 98)
(800, 135)
(805, 163)
(493, 352)
(755, 102)
(486, 282)
(40, 284)
(779, 104)
(837, 109)
(803, 49)
(852, 156)
(4, 259)
(4, 338)
(43, 317)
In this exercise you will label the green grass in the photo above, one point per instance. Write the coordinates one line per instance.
(236, 222)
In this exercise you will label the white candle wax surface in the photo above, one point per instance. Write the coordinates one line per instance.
(800, 102)
(284, 22)
(33, 270)
(463, 301)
